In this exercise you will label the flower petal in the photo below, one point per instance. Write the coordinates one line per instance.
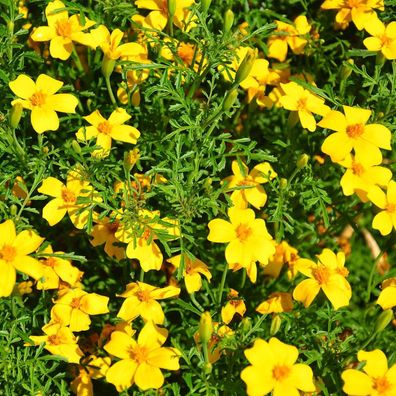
(121, 374)
(65, 103)
(48, 85)
(148, 376)
(7, 278)
(44, 120)
(23, 86)
(54, 211)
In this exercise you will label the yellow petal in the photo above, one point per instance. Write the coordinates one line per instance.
(356, 115)
(383, 222)
(54, 211)
(23, 86)
(7, 278)
(376, 363)
(337, 146)
(30, 266)
(306, 291)
(94, 304)
(372, 43)
(121, 374)
(130, 309)
(257, 382)
(119, 116)
(278, 49)
(43, 33)
(356, 383)
(220, 231)
(47, 84)
(378, 135)
(125, 133)
(338, 291)
(387, 298)
(307, 120)
(152, 311)
(79, 320)
(256, 196)
(27, 242)
(334, 121)
(147, 377)
(193, 282)
(166, 358)
(7, 232)
(65, 103)
(52, 15)
(61, 48)
(44, 120)
(52, 187)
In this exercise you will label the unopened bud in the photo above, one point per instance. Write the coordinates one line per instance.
(228, 21)
(205, 327)
(230, 99)
(246, 324)
(207, 368)
(107, 66)
(172, 7)
(383, 320)
(16, 114)
(135, 99)
(283, 183)
(245, 67)
(275, 324)
(76, 147)
(346, 70)
(205, 4)
(302, 161)
(13, 210)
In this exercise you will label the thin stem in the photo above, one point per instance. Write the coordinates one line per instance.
(108, 85)
(223, 279)
(195, 302)
(77, 61)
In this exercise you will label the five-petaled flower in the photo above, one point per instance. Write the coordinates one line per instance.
(384, 38)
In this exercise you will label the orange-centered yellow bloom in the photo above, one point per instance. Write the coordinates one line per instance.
(277, 302)
(14, 251)
(140, 360)
(375, 380)
(141, 300)
(385, 220)
(235, 305)
(387, 297)
(274, 369)
(353, 133)
(303, 102)
(247, 187)
(63, 30)
(328, 275)
(40, 97)
(360, 12)
(384, 38)
(247, 237)
(105, 130)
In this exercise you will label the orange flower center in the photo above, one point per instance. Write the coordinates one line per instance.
(279, 373)
(37, 99)
(143, 295)
(357, 169)
(343, 272)
(321, 274)
(68, 196)
(8, 253)
(164, 7)
(139, 354)
(246, 182)
(391, 207)
(54, 339)
(75, 303)
(302, 104)
(243, 232)
(385, 40)
(146, 234)
(105, 127)
(50, 262)
(354, 3)
(64, 28)
(186, 53)
(354, 131)
(381, 385)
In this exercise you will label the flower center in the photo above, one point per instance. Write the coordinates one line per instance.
(355, 130)
(243, 232)
(302, 104)
(143, 295)
(104, 127)
(391, 207)
(354, 3)
(381, 385)
(139, 354)
(8, 253)
(64, 28)
(357, 169)
(342, 271)
(321, 274)
(186, 53)
(246, 182)
(37, 99)
(50, 262)
(279, 373)
(385, 40)
(54, 339)
(68, 196)
(75, 303)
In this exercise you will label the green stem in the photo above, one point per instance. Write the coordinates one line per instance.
(108, 85)
(223, 279)
(18, 148)
(370, 280)
(77, 61)
(195, 302)
(141, 277)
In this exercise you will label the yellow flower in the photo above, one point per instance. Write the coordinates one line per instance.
(376, 380)
(75, 306)
(353, 133)
(387, 297)
(235, 305)
(274, 368)
(193, 269)
(105, 130)
(277, 302)
(247, 237)
(249, 184)
(60, 341)
(328, 275)
(65, 199)
(63, 30)
(385, 220)
(303, 102)
(384, 38)
(288, 35)
(14, 251)
(56, 269)
(362, 174)
(141, 300)
(140, 361)
(360, 12)
(40, 97)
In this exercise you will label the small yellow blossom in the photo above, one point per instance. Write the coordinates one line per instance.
(63, 30)
(353, 133)
(41, 98)
(141, 300)
(247, 186)
(14, 256)
(384, 38)
(277, 302)
(235, 305)
(375, 380)
(387, 297)
(385, 220)
(274, 369)
(23, 288)
(328, 275)
(140, 360)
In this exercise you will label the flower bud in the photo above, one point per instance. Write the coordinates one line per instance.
(207, 368)
(246, 324)
(76, 147)
(245, 67)
(346, 70)
(283, 183)
(205, 4)
(135, 99)
(205, 327)
(383, 320)
(13, 210)
(16, 114)
(228, 21)
(275, 324)
(302, 161)
(230, 99)
(107, 66)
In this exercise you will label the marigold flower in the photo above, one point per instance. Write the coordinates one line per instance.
(353, 133)
(384, 38)
(328, 275)
(40, 97)
(288, 35)
(247, 237)
(235, 305)
(249, 184)
(277, 302)
(140, 360)
(385, 220)
(193, 269)
(360, 12)
(14, 256)
(65, 199)
(274, 368)
(387, 297)
(303, 102)
(141, 300)
(63, 30)
(376, 380)
(75, 306)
